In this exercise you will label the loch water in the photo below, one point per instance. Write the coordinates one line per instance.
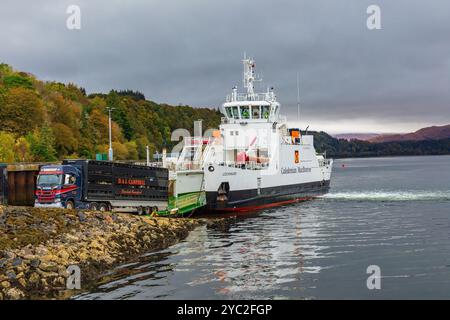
(393, 213)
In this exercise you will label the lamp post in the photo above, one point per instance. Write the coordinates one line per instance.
(110, 151)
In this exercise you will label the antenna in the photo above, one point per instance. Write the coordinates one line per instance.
(243, 74)
(298, 99)
(249, 76)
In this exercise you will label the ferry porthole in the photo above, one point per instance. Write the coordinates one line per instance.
(211, 168)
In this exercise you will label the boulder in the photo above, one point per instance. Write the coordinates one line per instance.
(41, 250)
(17, 262)
(34, 278)
(48, 267)
(9, 255)
(3, 262)
(22, 282)
(64, 255)
(11, 275)
(14, 294)
(35, 263)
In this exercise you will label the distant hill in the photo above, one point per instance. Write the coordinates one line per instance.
(356, 136)
(429, 133)
(341, 148)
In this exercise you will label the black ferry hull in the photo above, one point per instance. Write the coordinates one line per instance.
(252, 199)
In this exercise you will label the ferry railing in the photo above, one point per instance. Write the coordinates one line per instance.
(267, 96)
(324, 162)
(249, 165)
(157, 164)
(196, 141)
(272, 118)
(189, 165)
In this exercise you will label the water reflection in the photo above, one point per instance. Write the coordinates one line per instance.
(258, 253)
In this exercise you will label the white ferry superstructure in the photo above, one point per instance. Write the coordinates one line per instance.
(255, 160)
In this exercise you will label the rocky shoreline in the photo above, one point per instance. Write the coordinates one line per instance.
(38, 245)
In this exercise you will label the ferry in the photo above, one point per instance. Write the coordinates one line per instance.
(255, 160)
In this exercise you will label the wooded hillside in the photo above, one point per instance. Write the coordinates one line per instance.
(46, 121)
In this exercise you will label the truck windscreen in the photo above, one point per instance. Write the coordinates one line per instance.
(49, 179)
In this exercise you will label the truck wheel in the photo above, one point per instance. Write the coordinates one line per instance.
(70, 205)
(93, 206)
(103, 207)
(155, 209)
(148, 210)
(140, 211)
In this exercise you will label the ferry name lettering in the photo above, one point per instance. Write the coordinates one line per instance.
(295, 170)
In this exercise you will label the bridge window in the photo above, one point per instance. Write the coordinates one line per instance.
(235, 112)
(228, 110)
(265, 112)
(245, 113)
(256, 112)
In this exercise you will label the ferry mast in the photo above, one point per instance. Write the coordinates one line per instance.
(249, 77)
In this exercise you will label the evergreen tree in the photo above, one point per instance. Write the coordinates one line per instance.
(43, 144)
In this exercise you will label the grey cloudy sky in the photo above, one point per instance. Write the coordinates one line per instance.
(178, 51)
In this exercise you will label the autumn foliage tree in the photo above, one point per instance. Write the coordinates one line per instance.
(21, 110)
